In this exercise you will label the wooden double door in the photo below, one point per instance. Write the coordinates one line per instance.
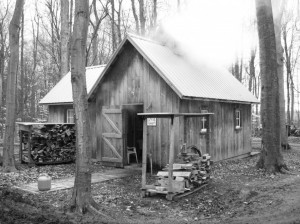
(120, 128)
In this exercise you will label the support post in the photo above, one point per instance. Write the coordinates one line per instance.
(20, 146)
(144, 163)
(30, 161)
(171, 157)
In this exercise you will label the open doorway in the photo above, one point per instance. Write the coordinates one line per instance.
(133, 133)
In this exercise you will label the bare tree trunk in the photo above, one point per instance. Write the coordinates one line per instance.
(2, 58)
(21, 95)
(154, 14)
(8, 146)
(251, 70)
(142, 17)
(82, 187)
(70, 31)
(95, 41)
(288, 74)
(82, 200)
(1, 63)
(32, 99)
(113, 33)
(65, 35)
(33, 75)
(271, 158)
(292, 100)
(137, 23)
(94, 44)
(277, 6)
(119, 22)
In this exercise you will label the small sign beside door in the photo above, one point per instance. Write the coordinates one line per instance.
(151, 121)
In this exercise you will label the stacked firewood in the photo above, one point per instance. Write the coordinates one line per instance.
(201, 172)
(191, 172)
(53, 143)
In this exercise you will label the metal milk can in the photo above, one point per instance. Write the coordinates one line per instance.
(44, 182)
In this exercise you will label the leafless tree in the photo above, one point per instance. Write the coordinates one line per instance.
(8, 146)
(271, 158)
(82, 200)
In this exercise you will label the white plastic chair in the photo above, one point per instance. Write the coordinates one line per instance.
(131, 150)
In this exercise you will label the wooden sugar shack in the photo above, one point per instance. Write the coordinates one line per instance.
(144, 76)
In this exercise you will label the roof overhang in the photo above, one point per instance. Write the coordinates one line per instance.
(218, 100)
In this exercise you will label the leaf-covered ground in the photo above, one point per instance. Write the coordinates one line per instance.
(237, 193)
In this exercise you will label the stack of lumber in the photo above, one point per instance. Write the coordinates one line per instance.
(52, 143)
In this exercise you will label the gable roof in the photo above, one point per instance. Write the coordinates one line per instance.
(188, 80)
(61, 93)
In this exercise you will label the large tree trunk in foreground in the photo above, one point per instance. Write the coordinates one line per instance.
(277, 6)
(82, 200)
(82, 187)
(271, 158)
(8, 147)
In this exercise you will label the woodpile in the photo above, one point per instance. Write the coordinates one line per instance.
(51, 144)
(193, 171)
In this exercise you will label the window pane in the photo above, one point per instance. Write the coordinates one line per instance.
(70, 116)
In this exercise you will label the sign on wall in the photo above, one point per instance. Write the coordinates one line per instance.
(151, 121)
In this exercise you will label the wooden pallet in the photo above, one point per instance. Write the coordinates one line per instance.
(170, 196)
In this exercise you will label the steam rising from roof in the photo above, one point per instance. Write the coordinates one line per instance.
(211, 31)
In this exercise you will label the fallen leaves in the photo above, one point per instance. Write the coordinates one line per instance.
(237, 188)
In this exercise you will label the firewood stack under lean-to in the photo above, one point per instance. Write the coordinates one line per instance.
(190, 171)
(50, 144)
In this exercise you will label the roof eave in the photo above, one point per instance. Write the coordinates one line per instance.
(218, 100)
(107, 67)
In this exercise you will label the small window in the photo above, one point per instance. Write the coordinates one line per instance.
(70, 116)
(237, 119)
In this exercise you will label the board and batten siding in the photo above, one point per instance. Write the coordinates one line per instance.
(132, 80)
(57, 113)
(223, 140)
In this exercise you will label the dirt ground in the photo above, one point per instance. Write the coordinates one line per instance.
(237, 193)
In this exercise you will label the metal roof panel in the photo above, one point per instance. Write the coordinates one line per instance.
(61, 93)
(190, 78)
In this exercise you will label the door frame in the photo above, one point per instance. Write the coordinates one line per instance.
(125, 124)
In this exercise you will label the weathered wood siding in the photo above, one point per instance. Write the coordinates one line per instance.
(223, 140)
(132, 80)
(93, 134)
(57, 113)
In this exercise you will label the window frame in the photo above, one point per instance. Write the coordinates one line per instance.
(237, 119)
(68, 117)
